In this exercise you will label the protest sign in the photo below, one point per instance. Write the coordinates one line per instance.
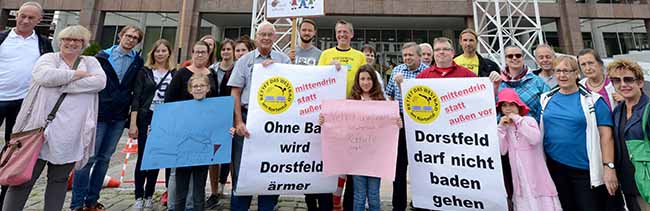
(283, 153)
(294, 8)
(452, 142)
(189, 133)
(360, 138)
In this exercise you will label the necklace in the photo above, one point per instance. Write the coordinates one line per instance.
(599, 84)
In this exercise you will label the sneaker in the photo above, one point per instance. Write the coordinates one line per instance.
(213, 202)
(148, 204)
(163, 199)
(138, 205)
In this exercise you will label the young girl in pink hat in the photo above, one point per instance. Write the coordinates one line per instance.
(519, 135)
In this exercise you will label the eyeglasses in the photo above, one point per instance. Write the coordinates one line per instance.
(265, 34)
(128, 36)
(441, 49)
(198, 53)
(71, 40)
(627, 80)
(517, 55)
(201, 86)
(565, 72)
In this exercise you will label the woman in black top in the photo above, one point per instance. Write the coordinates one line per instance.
(177, 91)
(149, 90)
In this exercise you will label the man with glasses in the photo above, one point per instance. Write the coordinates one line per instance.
(444, 66)
(470, 59)
(121, 64)
(20, 47)
(411, 55)
(240, 81)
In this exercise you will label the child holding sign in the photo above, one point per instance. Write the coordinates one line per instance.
(366, 87)
(520, 136)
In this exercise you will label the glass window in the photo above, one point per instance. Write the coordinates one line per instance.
(404, 36)
(419, 36)
(373, 35)
(388, 35)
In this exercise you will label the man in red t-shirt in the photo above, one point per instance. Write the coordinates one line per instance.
(444, 66)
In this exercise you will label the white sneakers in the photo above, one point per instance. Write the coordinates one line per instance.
(143, 204)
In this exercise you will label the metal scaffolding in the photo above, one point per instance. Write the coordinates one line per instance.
(500, 23)
(282, 26)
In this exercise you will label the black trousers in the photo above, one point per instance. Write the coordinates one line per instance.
(574, 188)
(399, 185)
(8, 113)
(319, 202)
(147, 176)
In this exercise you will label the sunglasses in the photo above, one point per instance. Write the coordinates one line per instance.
(627, 80)
(517, 55)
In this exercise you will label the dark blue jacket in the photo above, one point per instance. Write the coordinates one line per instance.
(632, 130)
(115, 99)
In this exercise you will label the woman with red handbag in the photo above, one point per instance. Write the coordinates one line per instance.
(63, 101)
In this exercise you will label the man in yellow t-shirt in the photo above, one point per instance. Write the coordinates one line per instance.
(470, 59)
(343, 53)
(470, 63)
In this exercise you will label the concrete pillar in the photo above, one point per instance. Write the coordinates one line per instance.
(217, 32)
(646, 22)
(597, 39)
(188, 28)
(91, 18)
(142, 24)
(469, 22)
(569, 27)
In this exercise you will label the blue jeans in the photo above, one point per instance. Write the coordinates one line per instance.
(243, 203)
(366, 187)
(86, 184)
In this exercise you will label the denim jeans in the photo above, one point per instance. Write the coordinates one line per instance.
(195, 178)
(86, 184)
(171, 192)
(366, 187)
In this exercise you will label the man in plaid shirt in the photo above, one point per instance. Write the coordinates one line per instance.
(411, 54)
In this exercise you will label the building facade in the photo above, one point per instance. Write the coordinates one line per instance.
(610, 26)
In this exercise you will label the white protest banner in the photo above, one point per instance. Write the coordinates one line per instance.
(294, 8)
(283, 153)
(452, 142)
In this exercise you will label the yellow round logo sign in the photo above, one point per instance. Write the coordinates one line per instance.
(422, 104)
(275, 95)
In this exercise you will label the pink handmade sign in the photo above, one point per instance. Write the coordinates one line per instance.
(360, 137)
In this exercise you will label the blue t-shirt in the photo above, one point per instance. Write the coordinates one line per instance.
(565, 125)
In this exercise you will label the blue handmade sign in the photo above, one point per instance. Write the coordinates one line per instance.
(189, 133)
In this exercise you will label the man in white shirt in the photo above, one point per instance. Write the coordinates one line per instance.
(20, 47)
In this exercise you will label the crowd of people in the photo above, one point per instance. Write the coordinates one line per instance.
(573, 133)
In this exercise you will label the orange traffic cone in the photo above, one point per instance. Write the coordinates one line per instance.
(109, 182)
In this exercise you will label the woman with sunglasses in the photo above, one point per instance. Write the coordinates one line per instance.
(576, 127)
(627, 78)
(595, 80)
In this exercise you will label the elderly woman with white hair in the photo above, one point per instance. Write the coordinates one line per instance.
(70, 137)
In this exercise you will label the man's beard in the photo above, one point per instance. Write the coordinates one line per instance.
(306, 41)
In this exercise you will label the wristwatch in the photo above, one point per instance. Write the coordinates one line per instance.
(609, 165)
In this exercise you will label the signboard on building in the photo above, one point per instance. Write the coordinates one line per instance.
(294, 8)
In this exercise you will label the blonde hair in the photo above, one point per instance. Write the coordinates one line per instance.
(198, 76)
(619, 65)
(75, 31)
(170, 64)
